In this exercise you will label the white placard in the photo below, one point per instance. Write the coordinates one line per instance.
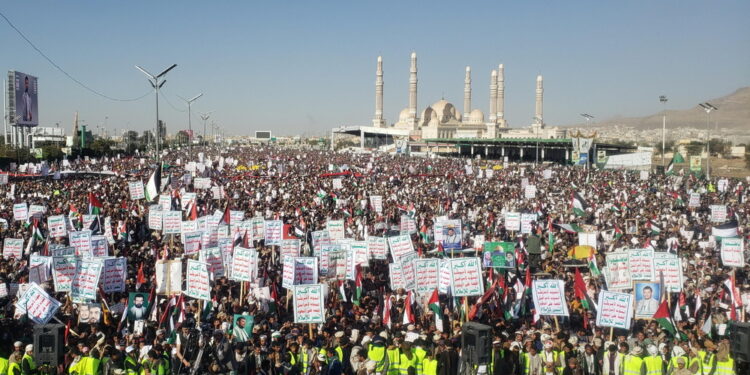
(273, 232)
(308, 304)
(618, 271)
(466, 277)
(136, 190)
(641, 263)
(198, 282)
(400, 245)
(615, 310)
(513, 221)
(549, 297)
(732, 252)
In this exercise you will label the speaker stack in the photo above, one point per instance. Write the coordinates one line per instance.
(49, 344)
(476, 343)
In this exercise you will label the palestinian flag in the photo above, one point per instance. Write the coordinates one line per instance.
(618, 233)
(226, 217)
(570, 228)
(655, 229)
(726, 230)
(36, 234)
(579, 287)
(423, 234)
(579, 205)
(358, 284)
(664, 319)
(95, 206)
(434, 305)
(342, 291)
(166, 183)
(670, 168)
(153, 187)
(593, 267)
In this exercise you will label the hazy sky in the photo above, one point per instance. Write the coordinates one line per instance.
(301, 67)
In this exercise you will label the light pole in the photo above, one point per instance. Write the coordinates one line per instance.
(663, 100)
(190, 121)
(205, 117)
(154, 81)
(588, 118)
(708, 107)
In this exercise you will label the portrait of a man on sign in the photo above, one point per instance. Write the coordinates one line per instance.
(137, 306)
(499, 255)
(452, 237)
(647, 297)
(242, 329)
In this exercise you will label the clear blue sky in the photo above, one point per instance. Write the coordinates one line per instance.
(300, 67)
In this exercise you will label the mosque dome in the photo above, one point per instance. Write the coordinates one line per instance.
(445, 110)
(404, 115)
(476, 116)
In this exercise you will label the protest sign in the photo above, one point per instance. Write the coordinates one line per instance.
(641, 264)
(529, 192)
(198, 284)
(320, 238)
(273, 232)
(547, 174)
(201, 183)
(513, 221)
(427, 275)
(169, 277)
(257, 224)
(188, 226)
(499, 255)
(20, 211)
(214, 258)
(13, 248)
(718, 213)
(377, 247)
(466, 277)
(305, 270)
(81, 241)
(337, 262)
(549, 297)
(337, 184)
(408, 271)
(192, 241)
(36, 211)
(308, 304)
(618, 271)
(86, 280)
(587, 239)
(37, 305)
(165, 202)
(62, 251)
(694, 200)
(114, 273)
(396, 276)
(136, 190)
(335, 229)
(670, 266)
(408, 225)
(242, 264)
(63, 271)
(290, 248)
(376, 201)
(56, 226)
(39, 273)
(172, 222)
(155, 218)
(358, 250)
(615, 310)
(526, 220)
(400, 245)
(99, 246)
(732, 252)
(444, 278)
(89, 313)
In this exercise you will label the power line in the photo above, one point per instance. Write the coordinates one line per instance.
(170, 103)
(63, 71)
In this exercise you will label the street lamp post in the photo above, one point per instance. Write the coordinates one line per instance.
(708, 107)
(663, 100)
(190, 121)
(588, 118)
(154, 81)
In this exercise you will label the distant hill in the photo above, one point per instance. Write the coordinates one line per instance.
(734, 114)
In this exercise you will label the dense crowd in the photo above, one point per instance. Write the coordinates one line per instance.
(177, 334)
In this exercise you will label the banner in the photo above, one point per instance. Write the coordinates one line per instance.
(86, 281)
(549, 297)
(618, 271)
(694, 200)
(287, 272)
(732, 252)
(37, 305)
(428, 274)
(641, 264)
(526, 220)
(408, 271)
(615, 310)
(169, 277)
(499, 255)
(273, 232)
(305, 270)
(396, 277)
(115, 272)
(695, 163)
(308, 304)
(242, 264)
(63, 271)
(512, 221)
(718, 213)
(466, 277)
(359, 253)
(529, 192)
(671, 266)
(56, 226)
(13, 248)
(319, 239)
(408, 225)
(377, 247)
(136, 190)
(400, 246)
(198, 283)
(99, 246)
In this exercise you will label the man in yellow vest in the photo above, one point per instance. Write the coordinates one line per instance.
(496, 356)
(632, 364)
(89, 365)
(377, 354)
(707, 355)
(407, 360)
(430, 364)
(653, 361)
(677, 353)
(420, 353)
(724, 362)
(131, 362)
(28, 366)
(3, 366)
(394, 356)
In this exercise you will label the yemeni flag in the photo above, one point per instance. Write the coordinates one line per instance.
(387, 311)
(726, 230)
(153, 187)
(141, 277)
(570, 228)
(434, 305)
(618, 232)
(664, 319)
(358, 284)
(481, 301)
(408, 313)
(342, 291)
(95, 206)
(734, 296)
(579, 205)
(226, 217)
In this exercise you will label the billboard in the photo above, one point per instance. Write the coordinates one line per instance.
(263, 134)
(25, 99)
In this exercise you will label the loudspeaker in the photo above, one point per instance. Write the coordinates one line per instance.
(740, 341)
(49, 344)
(476, 343)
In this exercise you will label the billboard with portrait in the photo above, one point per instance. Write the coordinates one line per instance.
(242, 328)
(499, 255)
(26, 99)
(647, 297)
(138, 306)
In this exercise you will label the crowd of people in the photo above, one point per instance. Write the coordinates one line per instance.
(249, 328)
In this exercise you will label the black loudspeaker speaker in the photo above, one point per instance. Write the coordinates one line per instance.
(476, 343)
(740, 341)
(49, 344)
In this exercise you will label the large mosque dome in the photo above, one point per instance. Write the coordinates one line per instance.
(476, 117)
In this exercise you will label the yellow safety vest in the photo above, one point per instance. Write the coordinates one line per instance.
(632, 365)
(673, 362)
(30, 360)
(492, 359)
(419, 355)
(3, 365)
(292, 358)
(695, 360)
(406, 362)
(725, 367)
(708, 361)
(131, 365)
(377, 355)
(324, 352)
(305, 360)
(430, 366)
(340, 354)
(14, 368)
(526, 362)
(144, 366)
(654, 365)
(88, 366)
(561, 363)
(393, 361)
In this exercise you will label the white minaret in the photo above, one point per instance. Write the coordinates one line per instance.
(413, 89)
(467, 94)
(493, 97)
(538, 116)
(501, 95)
(378, 120)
